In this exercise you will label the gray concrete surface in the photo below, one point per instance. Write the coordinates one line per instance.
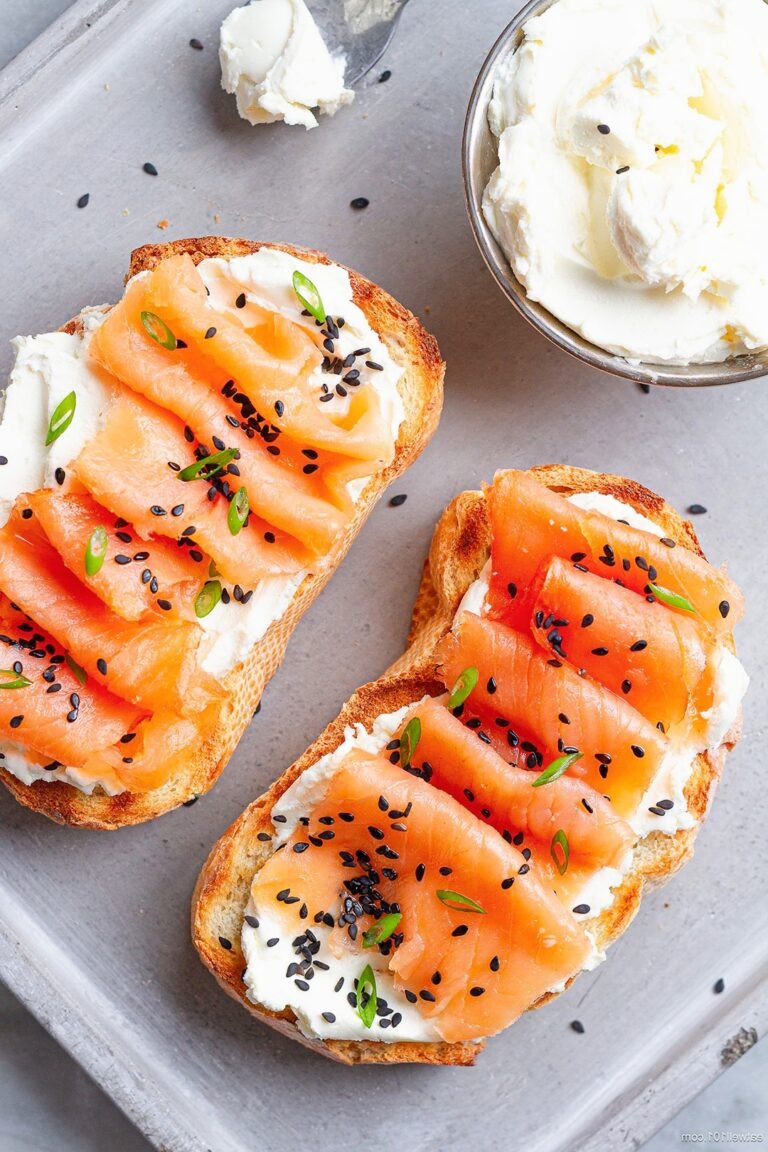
(47, 1104)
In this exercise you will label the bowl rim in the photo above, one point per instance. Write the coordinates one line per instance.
(734, 371)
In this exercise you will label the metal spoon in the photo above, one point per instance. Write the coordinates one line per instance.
(360, 29)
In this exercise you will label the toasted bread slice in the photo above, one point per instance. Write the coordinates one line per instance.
(421, 388)
(459, 551)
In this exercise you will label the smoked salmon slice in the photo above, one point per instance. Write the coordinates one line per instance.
(188, 384)
(531, 523)
(175, 575)
(272, 363)
(54, 714)
(149, 663)
(400, 844)
(157, 750)
(655, 658)
(127, 468)
(552, 711)
(455, 760)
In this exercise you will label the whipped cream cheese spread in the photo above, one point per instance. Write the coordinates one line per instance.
(50, 366)
(631, 196)
(275, 61)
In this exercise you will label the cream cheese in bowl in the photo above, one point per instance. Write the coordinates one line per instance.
(631, 193)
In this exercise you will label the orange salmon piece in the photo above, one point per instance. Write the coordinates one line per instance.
(553, 709)
(465, 767)
(531, 523)
(126, 468)
(655, 658)
(189, 384)
(152, 663)
(271, 363)
(69, 522)
(472, 982)
(56, 715)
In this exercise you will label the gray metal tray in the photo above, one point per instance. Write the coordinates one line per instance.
(93, 927)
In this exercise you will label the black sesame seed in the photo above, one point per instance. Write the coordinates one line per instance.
(654, 808)
(577, 1026)
(399, 500)
(301, 846)
(477, 991)
(149, 169)
(638, 751)
(226, 944)
(621, 171)
(696, 509)
(581, 909)
(16, 721)
(718, 986)
(272, 941)
(82, 201)
(460, 930)
(359, 203)
(156, 510)
(209, 333)
(385, 75)
(101, 664)
(196, 44)
(603, 129)
(506, 884)
(165, 605)
(425, 994)
(639, 646)
(665, 540)
(26, 514)
(122, 559)
(587, 620)
(420, 870)
(626, 686)
(724, 607)
(599, 651)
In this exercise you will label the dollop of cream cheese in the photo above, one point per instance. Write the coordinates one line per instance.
(275, 61)
(50, 366)
(631, 196)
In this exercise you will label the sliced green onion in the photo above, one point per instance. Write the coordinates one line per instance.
(17, 681)
(381, 930)
(238, 511)
(80, 674)
(671, 598)
(457, 902)
(207, 468)
(308, 295)
(409, 741)
(463, 686)
(366, 1011)
(96, 551)
(158, 330)
(560, 840)
(213, 570)
(207, 598)
(556, 769)
(63, 415)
